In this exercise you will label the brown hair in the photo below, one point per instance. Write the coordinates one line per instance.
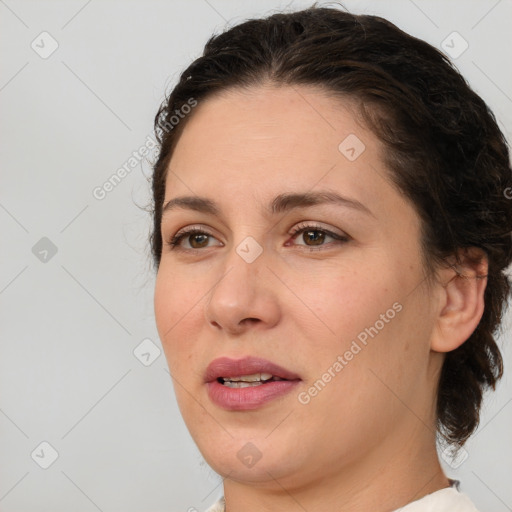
(444, 149)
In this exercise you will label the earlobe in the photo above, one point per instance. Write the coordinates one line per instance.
(462, 300)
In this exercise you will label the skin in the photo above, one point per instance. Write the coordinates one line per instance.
(367, 440)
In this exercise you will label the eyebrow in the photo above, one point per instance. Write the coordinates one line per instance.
(280, 204)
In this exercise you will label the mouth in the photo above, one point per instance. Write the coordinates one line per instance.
(248, 383)
(249, 370)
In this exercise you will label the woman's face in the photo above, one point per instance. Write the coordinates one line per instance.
(332, 291)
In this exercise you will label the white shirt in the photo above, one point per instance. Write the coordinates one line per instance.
(444, 500)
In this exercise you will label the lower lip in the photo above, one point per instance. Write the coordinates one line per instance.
(244, 399)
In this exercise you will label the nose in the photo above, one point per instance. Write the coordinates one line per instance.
(244, 297)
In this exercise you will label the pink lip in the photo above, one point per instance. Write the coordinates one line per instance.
(226, 367)
(241, 399)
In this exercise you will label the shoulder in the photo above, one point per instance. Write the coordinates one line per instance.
(444, 500)
(218, 506)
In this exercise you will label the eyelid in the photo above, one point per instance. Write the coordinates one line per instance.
(315, 226)
(299, 228)
(175, 241)
(193, 227)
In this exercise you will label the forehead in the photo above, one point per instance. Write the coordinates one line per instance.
(253, 144)
(271, 121)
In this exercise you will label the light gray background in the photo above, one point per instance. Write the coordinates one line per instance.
(69, 326)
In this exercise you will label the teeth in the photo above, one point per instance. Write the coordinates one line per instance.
(250, 378)
(241, 384)
(255, 377)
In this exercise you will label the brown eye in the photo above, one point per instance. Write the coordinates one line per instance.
(315, 236)
(198, 240)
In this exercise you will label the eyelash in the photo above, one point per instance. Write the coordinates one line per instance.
(301, 228)
(176, 239)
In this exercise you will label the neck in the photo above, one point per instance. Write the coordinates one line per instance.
(387, 479)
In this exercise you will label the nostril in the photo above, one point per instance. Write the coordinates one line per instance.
(250, 320)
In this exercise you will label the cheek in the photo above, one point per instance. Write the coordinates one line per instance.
(374, 322)
(177, 302)
(385, 352)
(349, 301)
(368, 379)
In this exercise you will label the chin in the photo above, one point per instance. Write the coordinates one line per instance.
(251, 459)
(263, 471)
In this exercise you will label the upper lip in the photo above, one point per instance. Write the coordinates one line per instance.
(226, 367)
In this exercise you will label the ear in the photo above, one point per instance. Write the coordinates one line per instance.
(461, 286)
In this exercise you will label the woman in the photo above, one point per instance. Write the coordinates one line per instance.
(331, 230)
